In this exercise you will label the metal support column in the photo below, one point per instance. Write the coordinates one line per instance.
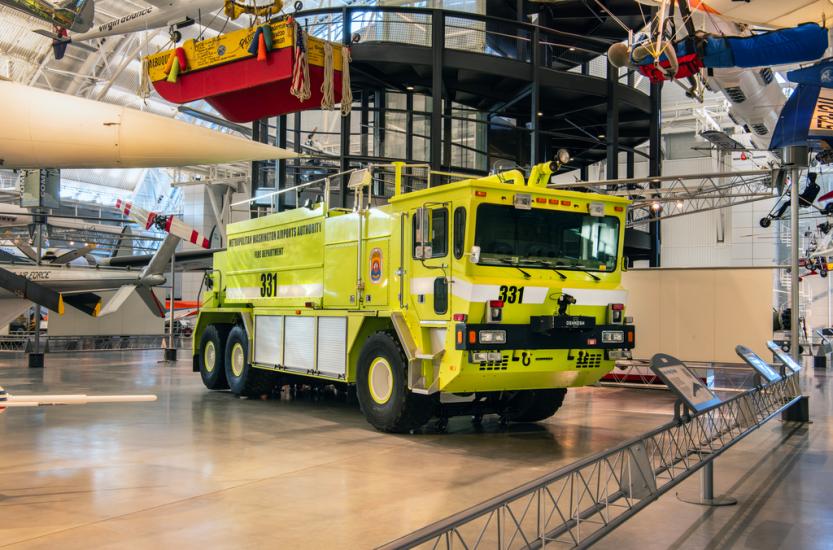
(612, 129)
(409, 126)
(36, 357)
(706, 496)
(630, 156)
(535, 100)
(260, 134)
(655, 167)
(280, 166)
(365, 123)
(795, 158)
(346, 126)
(170, 349)
(380, 106)
(437, 51)
(296, 138)
(448, 131)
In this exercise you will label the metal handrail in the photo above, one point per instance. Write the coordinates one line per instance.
(530, 27)
(669, 454)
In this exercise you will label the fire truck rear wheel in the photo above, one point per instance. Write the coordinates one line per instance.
(535, 405)
(382, 387)
(212, 356)
(244, 379)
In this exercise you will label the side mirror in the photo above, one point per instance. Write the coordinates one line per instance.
(422, 233)
(474, 256)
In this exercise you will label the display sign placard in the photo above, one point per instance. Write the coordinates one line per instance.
(783, 356)
(679, 378)
(40, 188)
(762, 367)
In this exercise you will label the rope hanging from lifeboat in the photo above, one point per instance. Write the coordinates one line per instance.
(328, 85)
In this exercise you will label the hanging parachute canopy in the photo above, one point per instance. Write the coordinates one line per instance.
(269, 70)
(804, 43)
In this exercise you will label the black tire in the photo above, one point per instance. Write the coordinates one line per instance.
(391, 406)
(535, 405)
(765, 222)
(212, 354)
(244, 379)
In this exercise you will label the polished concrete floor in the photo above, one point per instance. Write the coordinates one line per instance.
(207, 469)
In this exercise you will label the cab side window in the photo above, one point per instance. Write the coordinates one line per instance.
(459, 232)
(439, 233)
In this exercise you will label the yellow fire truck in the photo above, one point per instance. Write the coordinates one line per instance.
(486, 295)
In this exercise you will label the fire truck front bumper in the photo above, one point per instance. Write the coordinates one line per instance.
(546, 333)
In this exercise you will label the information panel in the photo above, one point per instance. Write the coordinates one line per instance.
(679, 378)
(762, 367)
(783, 356)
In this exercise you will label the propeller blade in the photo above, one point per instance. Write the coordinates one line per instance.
(73, 255)
(150, 299)
(24, 288)
(163, 222)
(118, 299)
(24, 247)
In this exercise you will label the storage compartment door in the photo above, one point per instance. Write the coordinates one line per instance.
(269, 340)
(332, 346)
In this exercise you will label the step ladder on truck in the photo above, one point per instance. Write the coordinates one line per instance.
(485, 295)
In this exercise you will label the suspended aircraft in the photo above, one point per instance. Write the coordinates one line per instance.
(74, 15)
(171, 14)
(692, 42)
(51, 285)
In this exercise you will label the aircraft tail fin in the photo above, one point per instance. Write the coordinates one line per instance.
(117, 300)
(124, 245)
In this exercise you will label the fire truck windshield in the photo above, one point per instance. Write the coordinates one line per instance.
(543, 238)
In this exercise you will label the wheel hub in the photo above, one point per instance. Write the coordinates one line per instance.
(210, 357)
(238, 360)
(380, 380)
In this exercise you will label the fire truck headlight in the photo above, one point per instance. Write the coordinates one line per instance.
(492, 337)
(613, 337)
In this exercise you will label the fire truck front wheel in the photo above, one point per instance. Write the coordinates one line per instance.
(212, 356)
(382, 387)
(244, 379)
(535, 405)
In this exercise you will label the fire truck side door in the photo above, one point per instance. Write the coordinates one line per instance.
(430, 236)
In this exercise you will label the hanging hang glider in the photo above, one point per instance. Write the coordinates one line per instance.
(74, 15)
(50, 130)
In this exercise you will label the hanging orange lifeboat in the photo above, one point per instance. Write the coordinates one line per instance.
(254, 73)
